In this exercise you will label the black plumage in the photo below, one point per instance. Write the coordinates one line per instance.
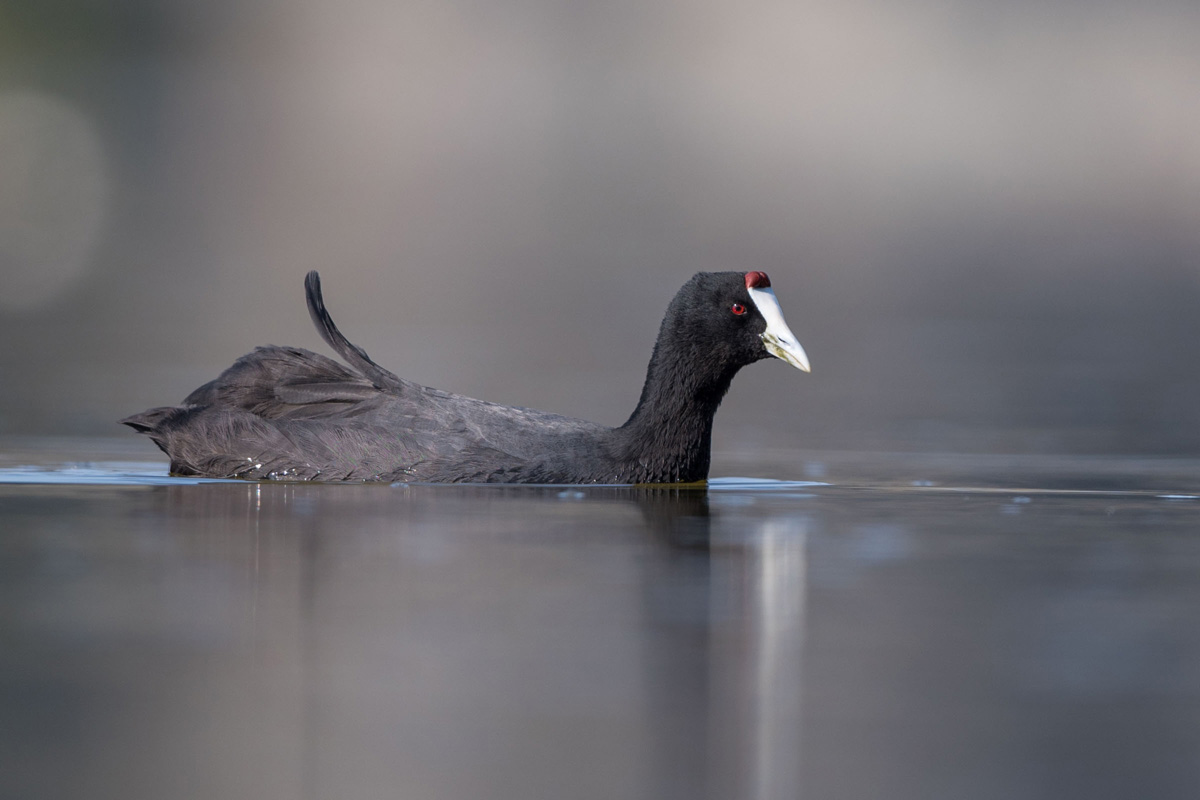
(288, 413)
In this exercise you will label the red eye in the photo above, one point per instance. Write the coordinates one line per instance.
(738, 309)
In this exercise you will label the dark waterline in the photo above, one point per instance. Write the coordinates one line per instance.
(872, 626)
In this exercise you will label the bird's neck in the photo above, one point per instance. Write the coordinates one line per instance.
(668, 438)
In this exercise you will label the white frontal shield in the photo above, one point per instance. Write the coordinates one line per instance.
(778, 338)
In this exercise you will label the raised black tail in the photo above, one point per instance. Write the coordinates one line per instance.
(354, 355)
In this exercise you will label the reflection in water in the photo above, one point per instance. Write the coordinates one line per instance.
(778, 620)
(218, 640)
(753, 577)
(634, 625)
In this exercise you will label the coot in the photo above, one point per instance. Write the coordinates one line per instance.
(291, 414)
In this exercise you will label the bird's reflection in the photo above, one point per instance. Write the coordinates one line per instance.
(730, 589)
(677, 517)
(709, 633)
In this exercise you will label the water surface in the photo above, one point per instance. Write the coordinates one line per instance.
(853, 626)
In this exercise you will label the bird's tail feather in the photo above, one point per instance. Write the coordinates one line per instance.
(354, 355)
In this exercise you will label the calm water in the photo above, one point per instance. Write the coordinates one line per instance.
(861, 626)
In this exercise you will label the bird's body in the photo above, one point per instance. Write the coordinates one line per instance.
(288, 413)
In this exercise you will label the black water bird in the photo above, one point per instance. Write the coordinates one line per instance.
(291, 414)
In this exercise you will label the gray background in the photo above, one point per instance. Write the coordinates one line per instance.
(982, 218)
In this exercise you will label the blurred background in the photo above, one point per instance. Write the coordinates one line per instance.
(982, 218)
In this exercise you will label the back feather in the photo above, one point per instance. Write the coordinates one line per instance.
(272, 382)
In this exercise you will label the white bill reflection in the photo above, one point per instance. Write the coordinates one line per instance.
(765, 670)
(779, 624)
